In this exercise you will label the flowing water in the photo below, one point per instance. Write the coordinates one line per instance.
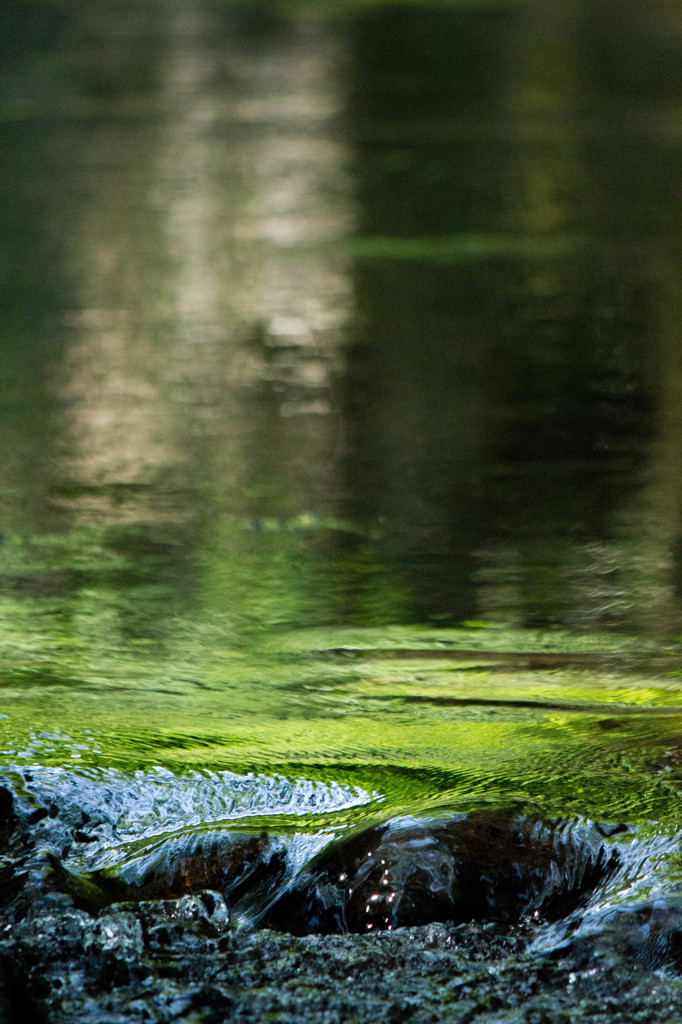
(340, 421)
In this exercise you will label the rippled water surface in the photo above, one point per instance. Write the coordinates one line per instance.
(340, 418)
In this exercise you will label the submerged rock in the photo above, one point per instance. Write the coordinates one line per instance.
(407, 872)
(232, 863)
(184, 872)
(410, 872)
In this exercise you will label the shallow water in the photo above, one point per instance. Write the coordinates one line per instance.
(340, 419)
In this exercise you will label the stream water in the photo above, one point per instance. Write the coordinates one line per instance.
(340, 425)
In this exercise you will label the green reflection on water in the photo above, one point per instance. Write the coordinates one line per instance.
(425, 718)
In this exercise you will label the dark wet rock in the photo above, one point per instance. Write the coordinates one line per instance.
(12, 880)
(489, 923)
(228, 862)
(7, 817)
(410, 872)
(206, 912)
(246, 869)
(100, 969)
(27, 822)
(16, 1005)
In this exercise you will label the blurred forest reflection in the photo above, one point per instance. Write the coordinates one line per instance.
(364, 315)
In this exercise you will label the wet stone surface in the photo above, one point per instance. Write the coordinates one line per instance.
(411, 872)
(69, 967)
(483, 918)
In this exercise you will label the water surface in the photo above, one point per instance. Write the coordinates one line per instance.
(340, 408)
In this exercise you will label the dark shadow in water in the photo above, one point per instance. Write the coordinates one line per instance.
(500, 406)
